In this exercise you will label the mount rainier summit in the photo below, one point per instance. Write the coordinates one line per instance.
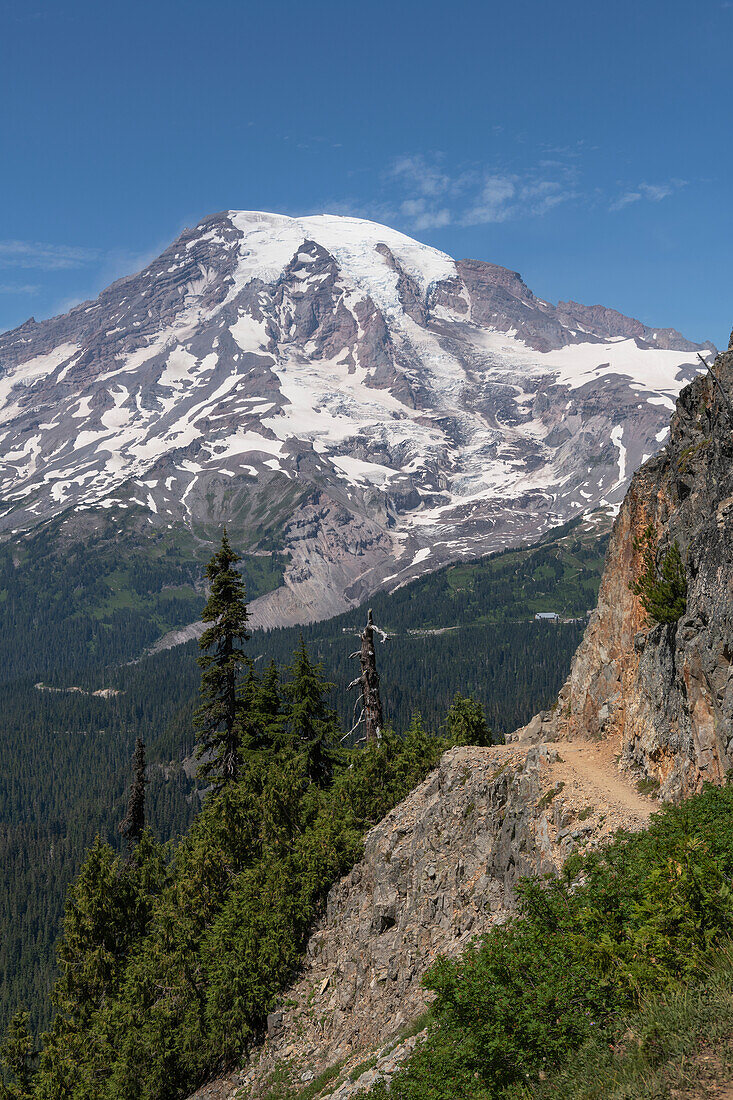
(362, 401)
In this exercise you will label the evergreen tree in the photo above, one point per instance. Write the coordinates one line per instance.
(268, 708)
(312, 726)
(261, 712)
(661, 587)
(134, 821)
(16, 1060)
(96, 932)
(466, 724)
(217, 718)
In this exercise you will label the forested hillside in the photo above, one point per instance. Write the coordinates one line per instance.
(67, 752)
(170, 958)
(100, 597)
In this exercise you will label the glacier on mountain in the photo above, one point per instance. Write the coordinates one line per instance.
(422, 409)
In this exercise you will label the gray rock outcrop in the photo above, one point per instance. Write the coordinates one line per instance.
(440, 869)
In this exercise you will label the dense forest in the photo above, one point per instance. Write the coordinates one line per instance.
(171, 957)
(67, 751)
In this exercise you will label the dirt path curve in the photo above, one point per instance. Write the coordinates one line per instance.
(603, 774)
(591, 781)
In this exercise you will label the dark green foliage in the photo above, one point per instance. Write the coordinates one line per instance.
(636, 919)
(218, 729)
(17, 1060)
(512, 675)
(263, 714)
(133, 823)
(660, 586)
(312, 727)
(382, 773)
(108, 911)
(65, 779)
(95, 606)
(676, 1045)
(466, 723)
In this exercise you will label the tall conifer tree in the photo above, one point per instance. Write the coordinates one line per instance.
(222, 662)
(268, 709)
(133, 823)
(312, 726)
(16, 1060)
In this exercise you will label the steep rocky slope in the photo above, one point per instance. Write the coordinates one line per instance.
(437, 871)
(663, 695)
(331, 387)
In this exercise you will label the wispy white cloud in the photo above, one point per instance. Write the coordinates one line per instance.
(417, 173)
(433, 197)
(19, 288)
(45, 257)
(646, 192)
(424, 215)
(506, 197)
(421, 192)
(494, 202)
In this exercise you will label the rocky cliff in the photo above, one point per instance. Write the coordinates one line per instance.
(438, 870)
(662, 695)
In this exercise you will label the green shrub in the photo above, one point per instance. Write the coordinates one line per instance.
(466, 724)
(640, 917)
(661, 587)
(659, 1052)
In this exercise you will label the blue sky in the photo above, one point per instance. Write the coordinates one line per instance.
(586, 145)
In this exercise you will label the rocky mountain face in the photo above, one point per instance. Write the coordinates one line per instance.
(365, 403)
(663, 694)
(437, 871)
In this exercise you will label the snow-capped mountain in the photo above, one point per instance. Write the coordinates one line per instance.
(382, 407)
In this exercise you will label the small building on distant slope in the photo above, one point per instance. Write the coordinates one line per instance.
(551, 615)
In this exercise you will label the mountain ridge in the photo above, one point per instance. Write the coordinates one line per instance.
(375, 407)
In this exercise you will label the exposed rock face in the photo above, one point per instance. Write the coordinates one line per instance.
(438, 870)
(411, 896)
(664, 694)
(371, 405)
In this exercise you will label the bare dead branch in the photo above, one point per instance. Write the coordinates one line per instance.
(716, 380)
(368, 684)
